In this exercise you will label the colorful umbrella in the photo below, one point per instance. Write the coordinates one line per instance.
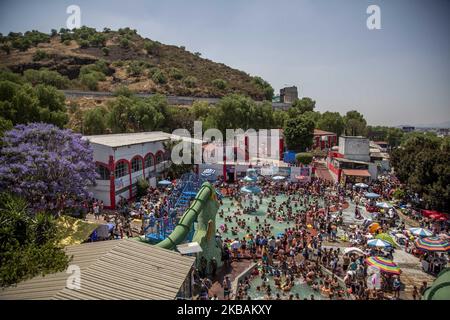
(385, 237)
(353, 250)
(164, 182)
(371, 195)
(251, 189)
(249, 179)
(434, 244)
(384, 205)
(276, 178)
(361, 185)
(378, 243)
(385, 265)
(373, 227)
(421, 232)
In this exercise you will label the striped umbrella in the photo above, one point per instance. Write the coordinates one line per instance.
(378, 243)
(387, 238)
(434, 244)
(384, 205)
(421, 232)
(385, 265)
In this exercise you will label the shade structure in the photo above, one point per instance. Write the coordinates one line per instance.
(433, 244)
(353, 250)
(164, 182)
(384, 205)
(374, 227)
(385, 265)
(385, 237)
(249, 179)
(421, 232)
(361, 185)
(371, 195)
(251, 189)
(208, 172)
(378, 243)
(278, 178)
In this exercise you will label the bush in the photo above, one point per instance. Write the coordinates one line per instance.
(141, 187)
(90, 80)
(48, 77)
(105, 51)
(94, 121)
(304, 158)
(123, 91)
(176, 73)
(83, 44)
(135, 68)
(6, 48)
(159, 77)
(124, 43)
(40, 55)
(151, 47)
(190, 81)
(219, 83)
(67, 42)
(399, 194)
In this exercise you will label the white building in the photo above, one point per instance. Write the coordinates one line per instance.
(122, 159)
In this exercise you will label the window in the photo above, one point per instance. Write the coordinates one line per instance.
(136, 164)
(159, 157)
(121, 169)
(102, 171)
(149, 161)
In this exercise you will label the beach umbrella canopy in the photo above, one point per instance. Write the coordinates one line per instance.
(373, 227)
(384, 205)
(434, 244)
(251, 189)
(371, 195)
(208, 172)
(249, 179)
(378, 243)
(385, 237)
(361, 185)
(353, 250)
(278, 178)
(164, 182)
(421, 232)
(385, 265)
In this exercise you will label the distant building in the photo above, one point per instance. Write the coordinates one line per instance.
(408, 128)
(288, 94)
(324, 139)
(354, 148)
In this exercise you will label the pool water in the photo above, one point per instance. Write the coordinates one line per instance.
(277, 227)
(303, 290)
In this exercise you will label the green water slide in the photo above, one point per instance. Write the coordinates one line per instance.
(203, 209)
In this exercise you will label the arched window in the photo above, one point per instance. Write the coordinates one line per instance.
(159, 157)
(121, 169)
(102, 171)
(149, 161)
(136, 164)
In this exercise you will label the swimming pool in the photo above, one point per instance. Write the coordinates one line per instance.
(300, 287)
(278, 227)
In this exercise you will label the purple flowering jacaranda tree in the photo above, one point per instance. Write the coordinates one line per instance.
(51, 168)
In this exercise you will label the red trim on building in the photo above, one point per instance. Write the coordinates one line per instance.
(112, 184)
(156, 155)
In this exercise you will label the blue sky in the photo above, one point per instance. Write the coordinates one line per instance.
(397, 75)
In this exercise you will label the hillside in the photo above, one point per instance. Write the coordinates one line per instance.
(126, 59)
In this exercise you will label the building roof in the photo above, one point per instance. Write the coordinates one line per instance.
(356, 172)
(318, 132)
(126, 139)
(112, 270)
(350, 161)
